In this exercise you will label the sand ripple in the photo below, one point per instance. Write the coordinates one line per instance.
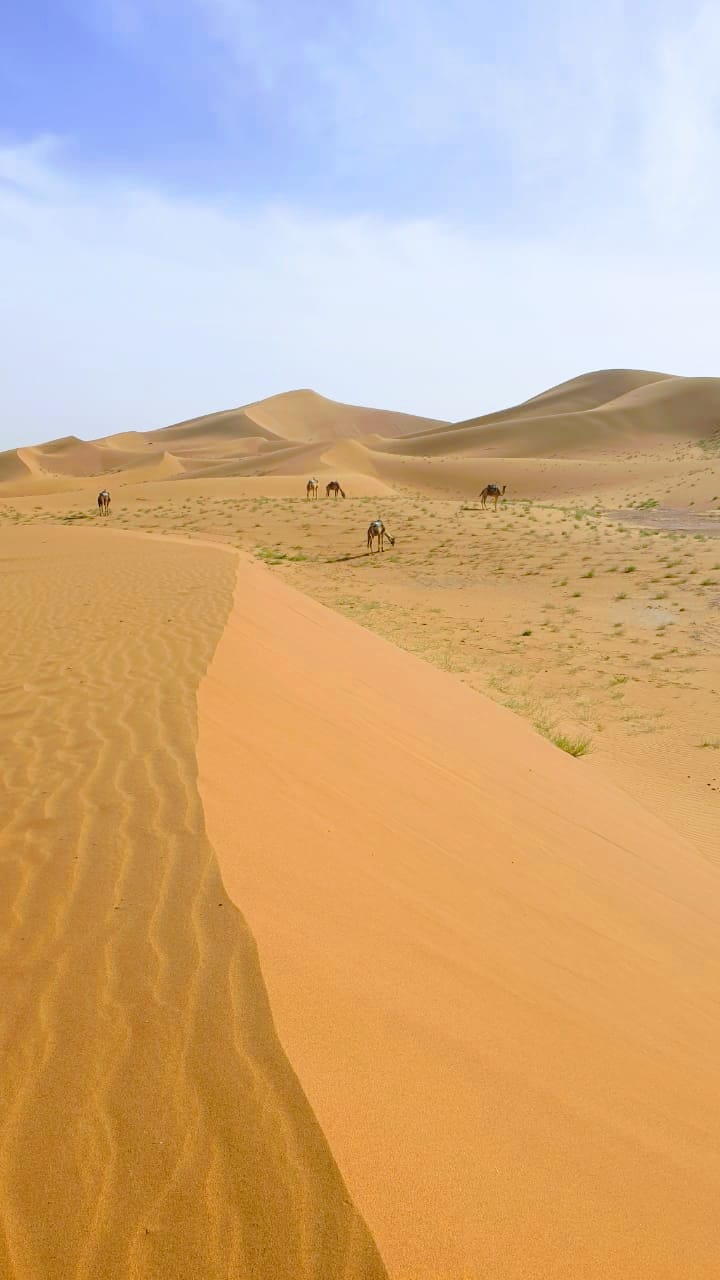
(150, 1124)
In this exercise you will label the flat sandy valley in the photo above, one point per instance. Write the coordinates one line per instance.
(361, 914)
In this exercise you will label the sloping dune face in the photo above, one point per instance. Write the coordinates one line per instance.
(580, 439)
(601, 415)
(609, 410)
(284, 434)
(496, 978)
(151, 1127)
(304, 415)
(589, 391)
(13, 469)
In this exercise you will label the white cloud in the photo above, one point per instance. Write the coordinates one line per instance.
(546, 116)
(124, 308)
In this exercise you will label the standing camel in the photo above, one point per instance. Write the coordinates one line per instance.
(377, 530)
(334, 487)
(492, 491)
(311, 489)
(104, 502)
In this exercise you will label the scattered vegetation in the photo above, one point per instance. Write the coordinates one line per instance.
(571, 746)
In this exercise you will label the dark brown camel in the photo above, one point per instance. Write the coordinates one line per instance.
(492, 491)
(334, 487)
(377, 530)
(104, 502)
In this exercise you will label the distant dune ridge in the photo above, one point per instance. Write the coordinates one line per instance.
(610, 411)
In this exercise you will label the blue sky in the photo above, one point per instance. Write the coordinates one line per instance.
(439, 207)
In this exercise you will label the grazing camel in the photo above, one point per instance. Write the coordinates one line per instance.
(104, 502)
(492, 491)
(334, 487)
(311, 489)
(377, 530)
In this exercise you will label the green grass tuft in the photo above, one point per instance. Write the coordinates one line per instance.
(573, 746)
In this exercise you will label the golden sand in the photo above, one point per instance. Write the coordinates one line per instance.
(493, 968)
(495, 976)
(150, 1124)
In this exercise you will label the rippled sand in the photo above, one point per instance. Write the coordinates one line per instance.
(150, 1123)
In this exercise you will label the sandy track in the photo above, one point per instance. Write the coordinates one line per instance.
(495, 975)
(150, 1125)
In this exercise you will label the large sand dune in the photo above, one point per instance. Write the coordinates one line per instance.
(610, 410)
(495, 976)
(605, 416)
(285, 434)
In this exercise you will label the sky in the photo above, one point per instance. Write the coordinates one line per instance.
(442, 206)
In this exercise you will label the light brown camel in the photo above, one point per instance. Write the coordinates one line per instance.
(377, 530)
(104, 502)
(334, 487)
(311, 489)
(492, 491)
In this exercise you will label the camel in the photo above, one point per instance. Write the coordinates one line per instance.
(104, 502)
(311, 489)
(334, 487)
(377, 530)
(492, 491)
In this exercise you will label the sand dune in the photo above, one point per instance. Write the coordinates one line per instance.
(589, 391)
(591, 479)
(304, 415)
(150, 1124)
(285, 434)
(293, 417)
(74, 457)
(605, 417)
(492, 1027)
(13, 469)
(495, 976)
(610, 410)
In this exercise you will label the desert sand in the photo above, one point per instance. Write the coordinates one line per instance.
(495, 977)
(318, 961)
(151, 1124)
